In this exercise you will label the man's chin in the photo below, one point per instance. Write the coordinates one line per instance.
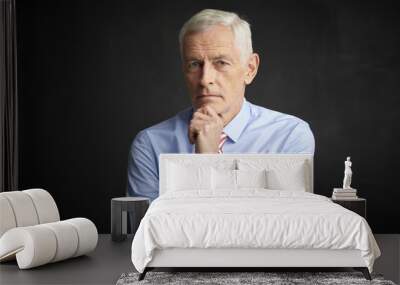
(218, 108)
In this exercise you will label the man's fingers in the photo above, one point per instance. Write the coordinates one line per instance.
(192, 136)
(195, 127)
(199, 115)
(209, 111)
(205, 120)
(200, 121)
(193, 132)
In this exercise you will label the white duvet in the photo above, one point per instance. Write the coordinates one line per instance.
(250, 218)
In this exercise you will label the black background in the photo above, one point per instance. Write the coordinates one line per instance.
(94, 73)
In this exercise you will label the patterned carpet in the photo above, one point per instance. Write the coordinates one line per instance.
(269, 278)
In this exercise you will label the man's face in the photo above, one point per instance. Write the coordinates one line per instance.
(214, 72)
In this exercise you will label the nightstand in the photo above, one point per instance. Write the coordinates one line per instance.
(357, 205)
(136, 207)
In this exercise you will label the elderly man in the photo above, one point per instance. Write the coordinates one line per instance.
(218, 63)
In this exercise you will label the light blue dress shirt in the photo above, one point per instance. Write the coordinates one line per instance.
(253, 130)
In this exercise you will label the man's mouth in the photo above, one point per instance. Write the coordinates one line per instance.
(205, 96)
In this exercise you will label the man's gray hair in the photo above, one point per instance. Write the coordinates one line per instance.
(210, 17)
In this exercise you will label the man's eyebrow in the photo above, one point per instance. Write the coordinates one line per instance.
(222, 56)
(217, 57)
(193, 58)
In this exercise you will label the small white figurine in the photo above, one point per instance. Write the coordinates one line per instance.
(347, 174)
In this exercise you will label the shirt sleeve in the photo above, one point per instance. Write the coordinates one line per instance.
(300, 140)
(142, 168)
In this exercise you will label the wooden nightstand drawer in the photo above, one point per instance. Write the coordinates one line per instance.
(358, 206)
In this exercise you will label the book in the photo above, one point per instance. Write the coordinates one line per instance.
(344, 198)
(345, 194)
(341, 190)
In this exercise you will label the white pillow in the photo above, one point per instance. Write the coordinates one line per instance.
(181, 177)
(281, 174)
(227, 179)
(251, 178)
(289, 179)
(223, 179)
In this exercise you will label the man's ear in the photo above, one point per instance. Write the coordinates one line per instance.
(252, 67)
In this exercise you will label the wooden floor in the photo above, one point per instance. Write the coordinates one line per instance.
(110, 260)
(389, 262)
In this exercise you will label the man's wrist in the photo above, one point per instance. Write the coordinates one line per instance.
(205, 149)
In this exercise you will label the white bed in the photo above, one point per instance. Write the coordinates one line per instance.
(241, 210)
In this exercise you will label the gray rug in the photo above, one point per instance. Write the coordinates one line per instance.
(270, 278)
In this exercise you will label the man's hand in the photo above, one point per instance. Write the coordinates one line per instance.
(205, 130)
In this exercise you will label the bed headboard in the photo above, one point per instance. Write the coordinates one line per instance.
(239, 161)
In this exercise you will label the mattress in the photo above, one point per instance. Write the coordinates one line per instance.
(252, 219)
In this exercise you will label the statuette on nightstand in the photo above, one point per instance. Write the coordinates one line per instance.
(347, 192)
(348, 173)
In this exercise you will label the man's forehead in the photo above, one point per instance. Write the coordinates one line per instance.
(217, 41)
(210, 53)
(215, 35)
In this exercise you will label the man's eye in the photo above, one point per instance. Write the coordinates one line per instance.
(193, 64)
(222, 63)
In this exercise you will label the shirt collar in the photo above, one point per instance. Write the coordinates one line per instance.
(236, 126)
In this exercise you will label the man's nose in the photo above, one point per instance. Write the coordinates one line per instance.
(208, 75)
